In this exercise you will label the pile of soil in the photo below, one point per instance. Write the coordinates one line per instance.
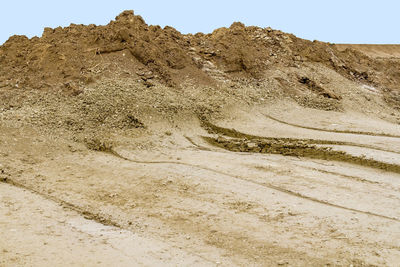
(71, 57)
(127, 74)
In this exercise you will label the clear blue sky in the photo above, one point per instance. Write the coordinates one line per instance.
(351, 21)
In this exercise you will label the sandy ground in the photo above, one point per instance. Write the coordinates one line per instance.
(189, 203)
(55, 236)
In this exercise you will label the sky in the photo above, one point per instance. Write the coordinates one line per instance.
(339, 21)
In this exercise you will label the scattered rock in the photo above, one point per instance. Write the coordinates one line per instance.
(252, 145)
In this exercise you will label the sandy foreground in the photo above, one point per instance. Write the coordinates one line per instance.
(192, 203)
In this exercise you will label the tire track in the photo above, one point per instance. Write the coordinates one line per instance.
(86, 213)
(349, 177)
(332, 131)
(344, 176)
(107, 221)
(267, 185)
(212, 128)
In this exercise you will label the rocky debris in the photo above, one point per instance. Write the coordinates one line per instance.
(251, 145)
(321, 102)
(146, 77)
(313, 86)
(4, 175)
(297, 148)
(282, 262)
(134, 122)
(98, 144)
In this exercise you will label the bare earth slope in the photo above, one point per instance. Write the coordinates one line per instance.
(131, 144)
(376, 51)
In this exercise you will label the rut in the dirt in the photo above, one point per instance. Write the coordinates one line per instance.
(86, 213)
(113, 152)
(331, 130)
(240, 142)
(215, 129)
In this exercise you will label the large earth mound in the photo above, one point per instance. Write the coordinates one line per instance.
(233, 63)
(69, 57)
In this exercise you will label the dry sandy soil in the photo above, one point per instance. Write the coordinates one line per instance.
(292, 163)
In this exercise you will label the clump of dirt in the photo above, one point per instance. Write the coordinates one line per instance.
(313, 86)
(319, 102)
(3, 174)
(97, 143)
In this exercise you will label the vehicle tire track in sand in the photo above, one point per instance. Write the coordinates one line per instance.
(349, 177)
(267, 185)
(84, 212)
(89, 215)
(332, 131)
(231, 132)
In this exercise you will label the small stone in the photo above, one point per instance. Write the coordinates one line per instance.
(282, 262)
(251, 145)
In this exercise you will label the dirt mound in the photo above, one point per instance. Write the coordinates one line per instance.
(73, 56)
(125, 74)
